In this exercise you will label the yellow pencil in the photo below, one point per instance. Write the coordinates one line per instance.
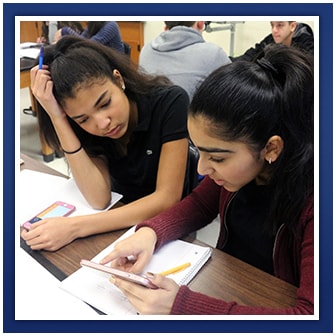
(176, 269)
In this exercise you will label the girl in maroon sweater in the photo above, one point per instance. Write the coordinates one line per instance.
(253, 126)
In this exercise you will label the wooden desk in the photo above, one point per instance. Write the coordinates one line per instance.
(222, 276)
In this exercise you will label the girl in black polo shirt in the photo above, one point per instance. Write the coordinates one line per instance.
(120, 130)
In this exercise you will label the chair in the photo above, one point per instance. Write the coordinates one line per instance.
(127, 49)
(25, 65)
(192, 177)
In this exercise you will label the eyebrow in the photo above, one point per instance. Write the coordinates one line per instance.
(214, 150)
(100, 98)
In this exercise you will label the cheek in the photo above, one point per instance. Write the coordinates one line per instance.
(90, 127)
(120, 109)
(242, 171)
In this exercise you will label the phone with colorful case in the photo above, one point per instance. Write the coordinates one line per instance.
(57, 209)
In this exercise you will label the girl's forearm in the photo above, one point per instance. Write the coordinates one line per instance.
(122, 217)
(91, 175)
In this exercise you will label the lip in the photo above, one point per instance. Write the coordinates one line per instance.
(218, 181)
(113, 131)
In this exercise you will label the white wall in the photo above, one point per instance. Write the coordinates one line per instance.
(247, 34)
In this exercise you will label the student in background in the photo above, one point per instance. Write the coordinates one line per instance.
(253, 126)
(290, 33)
(104, 32)
(181, 53)
(50, 28)
(120, 130)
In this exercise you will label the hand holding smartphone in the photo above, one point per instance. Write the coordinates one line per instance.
(57, 209)
(138, 279)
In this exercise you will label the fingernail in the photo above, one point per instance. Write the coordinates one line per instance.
(112, 280)
(150, 275)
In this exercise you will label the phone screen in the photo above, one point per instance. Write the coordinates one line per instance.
(55, 210)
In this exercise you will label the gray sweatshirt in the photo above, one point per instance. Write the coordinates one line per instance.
(183, 55)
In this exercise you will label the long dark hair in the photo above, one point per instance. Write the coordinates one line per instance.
(76, 62)
(250, 102)
(93, 27)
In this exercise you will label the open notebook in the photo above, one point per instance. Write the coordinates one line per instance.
(94, 287)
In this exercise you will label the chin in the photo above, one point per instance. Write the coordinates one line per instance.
(231, 188)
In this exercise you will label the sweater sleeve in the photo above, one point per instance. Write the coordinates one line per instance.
(70, 31)
(188, 302)
(109, 35)
(191, 303)
(195, 211)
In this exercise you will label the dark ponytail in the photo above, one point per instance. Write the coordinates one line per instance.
(251, 102)
(294, 170)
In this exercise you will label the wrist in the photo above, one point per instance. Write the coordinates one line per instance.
(149, 232)
(70, 152)
(73, 227)
(59, 119)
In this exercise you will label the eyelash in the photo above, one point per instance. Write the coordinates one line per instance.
(102, 107)
(216, 160)
(107, 103)
(82, 121)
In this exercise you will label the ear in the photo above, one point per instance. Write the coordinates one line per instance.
(118, 77)
(273, 148)
(293, 26)
(200, 25)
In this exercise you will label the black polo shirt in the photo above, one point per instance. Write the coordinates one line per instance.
(162, 117)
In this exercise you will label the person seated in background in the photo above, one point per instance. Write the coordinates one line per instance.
(181, 53)
(50, 28)
(120, 130)
(104, 32)
(253, 125)
(290, 33)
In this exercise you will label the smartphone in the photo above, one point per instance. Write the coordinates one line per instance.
(138, 279)
(57, 209)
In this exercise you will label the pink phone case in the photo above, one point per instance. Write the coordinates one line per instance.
(121, 274)
(57, 209)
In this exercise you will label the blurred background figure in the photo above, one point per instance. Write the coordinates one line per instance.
(50, 28)
(290, 33)
(181, 53)
(104, 32)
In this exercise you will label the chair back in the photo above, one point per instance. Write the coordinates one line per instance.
(127, 49)
(192, 177)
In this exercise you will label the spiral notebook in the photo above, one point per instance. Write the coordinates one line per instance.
(94, 288)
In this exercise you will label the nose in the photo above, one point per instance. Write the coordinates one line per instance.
(274, 29)
(204, 166)
(102, 122)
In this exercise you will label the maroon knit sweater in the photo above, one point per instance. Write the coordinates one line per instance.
(294, 264)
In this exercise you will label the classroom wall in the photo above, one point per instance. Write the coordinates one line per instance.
(247, 34)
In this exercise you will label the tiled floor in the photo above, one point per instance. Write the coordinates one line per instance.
(30, 145)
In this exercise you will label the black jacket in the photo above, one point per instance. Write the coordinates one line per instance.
(303, 39)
